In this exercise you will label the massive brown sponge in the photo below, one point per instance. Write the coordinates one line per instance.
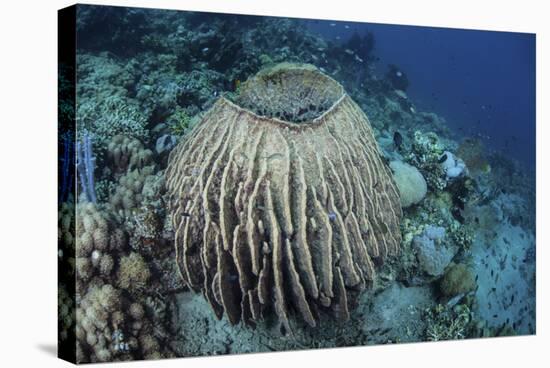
(281, 201)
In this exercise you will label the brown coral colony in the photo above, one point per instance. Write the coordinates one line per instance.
(280, 200)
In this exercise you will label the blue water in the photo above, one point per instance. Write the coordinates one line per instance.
(482, 82)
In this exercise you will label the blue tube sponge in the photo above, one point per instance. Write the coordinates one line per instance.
(85, 166)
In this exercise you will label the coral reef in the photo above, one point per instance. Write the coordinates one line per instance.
(127, 153)
(66, 273)
(133, 272)
(446, 323)
(458, 279)
(426, 152)
(298, 221)
(112, 321)
(112, 328)
(290, 200)
(98, 237)
(410, 182)
(433, 256)
(128, 194)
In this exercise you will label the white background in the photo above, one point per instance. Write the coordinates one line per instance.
(28, 216)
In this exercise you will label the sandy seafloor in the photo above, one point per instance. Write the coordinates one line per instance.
(150, 80)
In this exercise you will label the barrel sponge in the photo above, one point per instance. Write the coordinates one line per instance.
(412, 185)
(280, 200)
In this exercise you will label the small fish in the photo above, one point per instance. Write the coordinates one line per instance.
(397, 140)
(443, 158)
(349, 52)
(185, 214)
(346, 26)
(332, 216)
(332, 24)
(205, 49)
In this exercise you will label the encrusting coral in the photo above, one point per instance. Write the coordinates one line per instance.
(290, 207)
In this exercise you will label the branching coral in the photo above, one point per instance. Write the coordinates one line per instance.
(445, 323)
(110, 116)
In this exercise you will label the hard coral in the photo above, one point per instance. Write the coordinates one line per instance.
(128, 194)
(458, 279)
(133, 272)
(127, 153)
(97, 236)
(426, 151)
(410, 182)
